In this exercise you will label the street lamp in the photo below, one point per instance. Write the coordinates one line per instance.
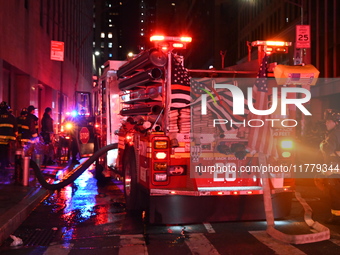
(298, 5)
(301, 5)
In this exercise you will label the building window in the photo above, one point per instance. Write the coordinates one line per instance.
(102, 35)
(109, 35)
(109, 44)
(110, 55)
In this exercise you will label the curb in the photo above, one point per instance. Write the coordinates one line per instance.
(14, 217)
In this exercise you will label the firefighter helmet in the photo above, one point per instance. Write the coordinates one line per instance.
(4, 106)
(30, 108)
(331, 114)
(23, 111)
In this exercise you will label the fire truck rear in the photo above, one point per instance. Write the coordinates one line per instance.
(182, 164)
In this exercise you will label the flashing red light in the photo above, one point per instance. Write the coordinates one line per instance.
(178, 45)
(235, 193)
(186, 39)
(157, 38)
(170, 38)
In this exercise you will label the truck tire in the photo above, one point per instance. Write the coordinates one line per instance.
(130, 182)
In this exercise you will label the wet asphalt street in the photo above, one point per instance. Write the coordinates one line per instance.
(87, 218)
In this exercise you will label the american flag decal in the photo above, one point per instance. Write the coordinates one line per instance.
(180, 85)
(261, 138)
(219, 103)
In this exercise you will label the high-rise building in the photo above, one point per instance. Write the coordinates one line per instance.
(115, 31)
(129, 24)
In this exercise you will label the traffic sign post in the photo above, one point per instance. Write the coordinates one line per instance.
(84, 135)
(57, 50)
(303, 36)
(302, 42)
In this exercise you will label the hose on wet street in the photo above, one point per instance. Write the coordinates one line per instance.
(74, 173)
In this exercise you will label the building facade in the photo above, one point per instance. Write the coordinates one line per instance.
(28, 76)
(115, 27)
(239, 22)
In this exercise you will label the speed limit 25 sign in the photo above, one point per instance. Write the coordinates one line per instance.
(302, 36)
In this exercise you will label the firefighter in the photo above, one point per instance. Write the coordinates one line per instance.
(47, 133)
(330, 148)
(32, 121)
(8, 132)
(30, 131)
(22, 126)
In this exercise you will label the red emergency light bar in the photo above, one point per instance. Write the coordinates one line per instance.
(270, 43)
(160, 38)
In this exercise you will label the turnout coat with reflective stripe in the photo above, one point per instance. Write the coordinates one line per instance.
(8, 127)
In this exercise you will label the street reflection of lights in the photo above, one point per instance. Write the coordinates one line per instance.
(67, 234)
(283, 222)
(82, 180)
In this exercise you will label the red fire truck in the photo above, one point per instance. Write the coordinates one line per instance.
(177, 162)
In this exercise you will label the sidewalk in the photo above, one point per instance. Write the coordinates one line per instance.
(17, 201)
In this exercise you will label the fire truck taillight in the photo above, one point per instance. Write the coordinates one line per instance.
(161, 144)
(160, 177)
(160, 166)
(160, 155)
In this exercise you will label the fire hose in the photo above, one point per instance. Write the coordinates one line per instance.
(321, 232)
(72, 175)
